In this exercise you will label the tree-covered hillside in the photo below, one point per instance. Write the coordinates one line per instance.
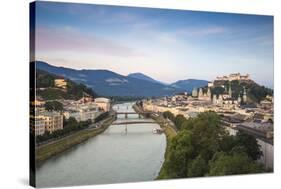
(46, 89)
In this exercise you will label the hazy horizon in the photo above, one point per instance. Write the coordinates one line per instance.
(167, 45)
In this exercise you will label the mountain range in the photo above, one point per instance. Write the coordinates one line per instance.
(108, 83)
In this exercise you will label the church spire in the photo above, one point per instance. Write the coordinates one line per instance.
(244, 96)
(229, 90)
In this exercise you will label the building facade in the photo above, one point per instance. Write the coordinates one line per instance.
(103, 104)
(61, 83)
(234, 76)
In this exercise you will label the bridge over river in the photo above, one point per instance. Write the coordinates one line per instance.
(131, 122)
(129, 113)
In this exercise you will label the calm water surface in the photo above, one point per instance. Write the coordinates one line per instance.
(112, 157)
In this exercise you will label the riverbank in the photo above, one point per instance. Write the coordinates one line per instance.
(169, 131)
(49, 150)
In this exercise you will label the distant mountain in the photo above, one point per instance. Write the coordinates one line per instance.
(108, 83)
(143, 77)
(189, 84)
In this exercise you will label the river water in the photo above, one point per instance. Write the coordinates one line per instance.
(117, 155)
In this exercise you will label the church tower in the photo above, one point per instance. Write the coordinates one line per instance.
(239, 100)
(214, 99)
(194, 92)
(244, 96)
(209, 94)
(200, 93)
(230, 91)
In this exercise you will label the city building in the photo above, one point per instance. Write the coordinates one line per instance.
(103, 104)
(46, 121)
(82, 112)
(53, 121)
(37, 125)
(204, 96)
(38, 103)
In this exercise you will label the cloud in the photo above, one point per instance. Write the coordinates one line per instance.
(70, 39)
(201, 31)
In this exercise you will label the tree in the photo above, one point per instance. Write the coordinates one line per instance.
(230, 164)
(249, 142)
(54, 106)
(71, 123)
(207, 133)
(179, 119)
(198, 167)
(188, 124)
(179, 155)
(227, 143)
(169, 115)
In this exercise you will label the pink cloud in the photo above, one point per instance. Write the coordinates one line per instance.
(69, 39)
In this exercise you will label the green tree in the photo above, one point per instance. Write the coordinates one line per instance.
(180, 154)
(188, 124)
(230, 164)
(249, 143)
(198, 167)
(179, 119)
(207, 133)
(169, 115)
(227, 143)
(54, 106)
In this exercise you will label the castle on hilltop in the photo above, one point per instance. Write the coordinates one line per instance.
(234, 76)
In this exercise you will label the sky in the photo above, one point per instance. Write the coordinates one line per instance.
(166, 44)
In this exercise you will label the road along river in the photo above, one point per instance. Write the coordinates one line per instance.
(122, 153)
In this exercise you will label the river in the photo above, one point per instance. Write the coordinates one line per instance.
(117, 155)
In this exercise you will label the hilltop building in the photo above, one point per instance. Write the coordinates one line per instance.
(61, 83)
(234, 76)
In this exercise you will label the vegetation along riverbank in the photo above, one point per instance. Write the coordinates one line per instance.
(48, 150)
(203, 147)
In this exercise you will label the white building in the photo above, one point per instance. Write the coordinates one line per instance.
(82, 112)
(103, 103)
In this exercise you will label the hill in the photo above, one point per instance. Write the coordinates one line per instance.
(46, 89)
(143, 77)
(189, 84)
